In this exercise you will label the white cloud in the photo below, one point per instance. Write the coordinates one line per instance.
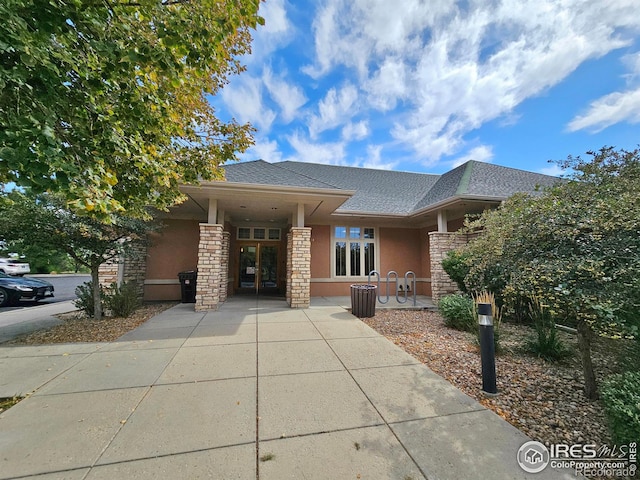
(632, 62)
(244, 100)
(355, 131)
(276, 32)
(481, 153)
(353, 32)
(374, 159)
(266, 150)
(288, 96)
(306, 151)
(388, 84)
(335, 109)
(616, 107)
(454, 67)
(553, 170)
(608, 110)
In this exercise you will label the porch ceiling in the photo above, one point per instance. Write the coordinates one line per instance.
(255, 204)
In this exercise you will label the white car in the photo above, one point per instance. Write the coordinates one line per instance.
(14, 267)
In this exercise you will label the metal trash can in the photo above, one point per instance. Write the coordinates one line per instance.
(188, 286)
(363, 300)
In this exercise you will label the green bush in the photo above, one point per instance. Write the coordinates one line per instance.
(545, 343)
(123, 300)
(84, 302)
(456, 266)
(621, 398)
(457, 311)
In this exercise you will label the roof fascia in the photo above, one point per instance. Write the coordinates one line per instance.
(234, 187)
(357, 213)
(429, 209)
(456, 198)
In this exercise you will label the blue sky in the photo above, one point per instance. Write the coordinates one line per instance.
(425, 85)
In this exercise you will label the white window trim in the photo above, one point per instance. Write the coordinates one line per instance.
(375, 240)
(252, 237)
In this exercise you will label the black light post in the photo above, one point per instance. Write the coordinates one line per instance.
(487, 349)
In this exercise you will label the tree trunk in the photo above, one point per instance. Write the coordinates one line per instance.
(97, 300)
(584, 345)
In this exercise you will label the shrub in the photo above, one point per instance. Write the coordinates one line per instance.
(123, 300)
(457, 311)
(496, 313)
(545, 343)
(456, 266)
(84, 302)
(621, 398)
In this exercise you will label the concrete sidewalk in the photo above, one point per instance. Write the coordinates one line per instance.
(14, 323)
(254, 390)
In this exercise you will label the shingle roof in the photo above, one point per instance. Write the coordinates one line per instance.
(377, 191)
(264, 173)
(497, 181)
(392, 192)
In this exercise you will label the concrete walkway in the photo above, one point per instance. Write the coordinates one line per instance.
(254, 390)
(14, 323)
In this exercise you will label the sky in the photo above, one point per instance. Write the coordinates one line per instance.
(424, 86)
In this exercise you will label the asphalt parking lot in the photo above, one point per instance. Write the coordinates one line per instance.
(64, 285)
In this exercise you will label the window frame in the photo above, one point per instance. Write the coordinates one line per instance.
(348, 241)
(252, 237)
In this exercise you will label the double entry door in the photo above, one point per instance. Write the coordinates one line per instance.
(258, 265)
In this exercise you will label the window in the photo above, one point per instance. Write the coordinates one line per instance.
(244, 233)
(258, 233)
(274, 234)
(355, 251)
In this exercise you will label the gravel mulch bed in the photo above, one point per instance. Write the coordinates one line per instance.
(544, 400)
(78, 328)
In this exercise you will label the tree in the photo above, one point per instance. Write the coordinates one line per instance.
(45, 222)
(576, 247)
(41, 260)
(105, 101)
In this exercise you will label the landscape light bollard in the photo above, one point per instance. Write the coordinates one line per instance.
(487, 348)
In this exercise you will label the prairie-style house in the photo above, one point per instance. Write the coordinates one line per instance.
(303, 230)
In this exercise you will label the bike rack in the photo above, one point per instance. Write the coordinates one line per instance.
(409, 286)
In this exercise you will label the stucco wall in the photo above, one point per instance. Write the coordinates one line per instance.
(320, 251)
(400, 249)
(173, 250)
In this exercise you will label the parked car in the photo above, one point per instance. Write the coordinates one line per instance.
(11, 266)
(13, 289)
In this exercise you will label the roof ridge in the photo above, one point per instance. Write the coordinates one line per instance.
(463, 186)
(304, 175)
(359, 168)
(528, 172)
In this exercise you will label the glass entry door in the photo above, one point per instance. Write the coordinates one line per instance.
(258, 264)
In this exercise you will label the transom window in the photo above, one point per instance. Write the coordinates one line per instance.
(355, 251)
(258, 233)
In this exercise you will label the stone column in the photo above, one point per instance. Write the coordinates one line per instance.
(110, 272)
(299, 267)
(224, 267)
(209, 267)
(126, 268)
(439, 244)
(135, 267)
(287, 295)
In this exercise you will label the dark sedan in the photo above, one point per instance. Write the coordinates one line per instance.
(13, 289)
